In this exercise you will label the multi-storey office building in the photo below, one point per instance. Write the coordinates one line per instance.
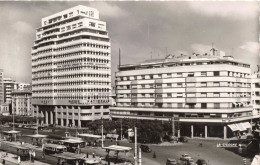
(21, 102)
(256, 91)
(71, 68)
(203, 94)
(1, 87)
(8, 86)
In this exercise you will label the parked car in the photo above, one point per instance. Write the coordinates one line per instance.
(201, 162)
(185, 157)
(145, 148)
(183, 139)
(171, 161)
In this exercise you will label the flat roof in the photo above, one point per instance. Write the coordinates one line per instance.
(12, 132)
(54, 145)
(37, 136)
(90, 135)
(118, 148)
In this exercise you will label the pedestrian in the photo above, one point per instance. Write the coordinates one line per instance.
(3, 161)
(43, 155)
(93, 155)
(30, 155)
(19, 159)
(33, 155)
(87, 155)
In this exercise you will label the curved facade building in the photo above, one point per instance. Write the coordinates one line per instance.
(71, 68)
(203, 94)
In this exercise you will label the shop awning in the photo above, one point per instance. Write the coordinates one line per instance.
(239, 126)
(233, 127)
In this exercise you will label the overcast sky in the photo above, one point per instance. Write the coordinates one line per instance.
(140, 29)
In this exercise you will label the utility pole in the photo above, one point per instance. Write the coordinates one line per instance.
(136, 156)
(102, 132)
(140, 157)
(121, 129)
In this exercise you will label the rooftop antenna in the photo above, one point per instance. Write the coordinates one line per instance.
(119, 58)
(213, 49)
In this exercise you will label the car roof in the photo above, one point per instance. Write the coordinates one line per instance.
(171, 159)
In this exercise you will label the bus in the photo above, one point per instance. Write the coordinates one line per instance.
(49, 148)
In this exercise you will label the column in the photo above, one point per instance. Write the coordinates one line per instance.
(191, 129)
(179, 133)
(206, 131)
(42, 115)
(73, 117)
(51, 117)
(56, 113)
(79, 117)
(46, 117)
(173, 126)
(225, 132)
(93, 112)
(67, 116)
(61, 120)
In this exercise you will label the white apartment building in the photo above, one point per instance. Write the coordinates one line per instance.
(71, 68)
(21, 102)
(256, 91)
(204, 94)
(8, 86)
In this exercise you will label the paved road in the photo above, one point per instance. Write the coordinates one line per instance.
(209, 152)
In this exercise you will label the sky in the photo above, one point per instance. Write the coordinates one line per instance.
(142, 30)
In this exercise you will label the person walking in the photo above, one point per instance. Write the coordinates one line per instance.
(33, 156)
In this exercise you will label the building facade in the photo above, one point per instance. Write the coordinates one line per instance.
(71, 68)
(203, 94)
(256, 91)
(8, 86)
(21, 102)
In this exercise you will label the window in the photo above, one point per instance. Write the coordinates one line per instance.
(203, 84)
(158, 85)
(216, 105)
(179, 74)
(203, 73)
(216, 94)
(203, 94)
(179, 95)
(92, 24)
(142, 77)
(190, 74)
(169, 85)
(203, 105)
(179, 105)
(216, 73)
(169, 104)
(169, 95)
(216, 84)
(151, 76)
(159, 96)
(159, 75)
(169, 75)
(143, 86)
(179, 84)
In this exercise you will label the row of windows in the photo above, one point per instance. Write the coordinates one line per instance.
(186, 84)
(186, 74)
(84, 44)
(70, 40)
(80, 31)
(99, 53)
(65, 90)
(190, 94)
(80, 68)
(77, 60)
(70, 97)
(204, 95)
(184, 105)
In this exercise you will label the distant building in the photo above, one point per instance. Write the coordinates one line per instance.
(256, 91)
(8, 86)
(71, 68)
(1, 87)
(205, 94)
(21, 101)
(5, 109)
